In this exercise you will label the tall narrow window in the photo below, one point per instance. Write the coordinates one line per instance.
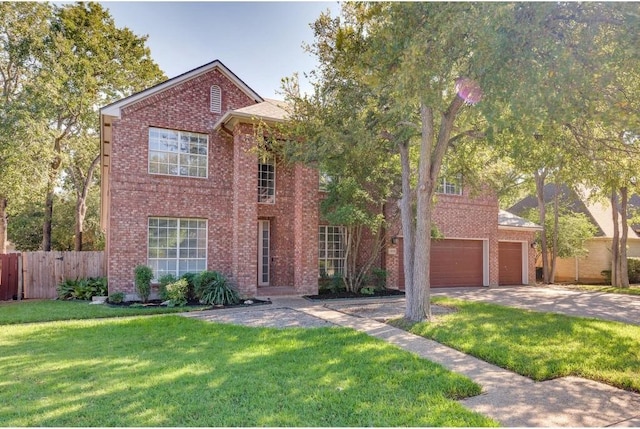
(267, 181)
(216, 99)
(331, 250)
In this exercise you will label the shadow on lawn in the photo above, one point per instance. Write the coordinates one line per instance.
(542, 346)
(173, 371)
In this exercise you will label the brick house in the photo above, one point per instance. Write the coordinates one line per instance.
(182, 191)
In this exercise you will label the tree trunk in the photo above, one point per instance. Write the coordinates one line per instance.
(3, 225)
(48, 220)
(408, 226)
(540, 177)
(81, 212)
(623, 272)
(81, 203)
(419, 308)
(554, 250)
(615, 241)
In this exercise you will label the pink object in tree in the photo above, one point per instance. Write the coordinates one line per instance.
(468, 90)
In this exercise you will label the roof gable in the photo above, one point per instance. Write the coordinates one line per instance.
(114, 109)
(598, 213)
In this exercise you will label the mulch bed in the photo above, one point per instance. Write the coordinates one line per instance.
(158, 303)
(347, 295)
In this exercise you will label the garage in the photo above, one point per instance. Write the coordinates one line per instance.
(456, 263)
(453, 263)
(510, 263)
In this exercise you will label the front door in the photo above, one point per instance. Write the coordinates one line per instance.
(264, 252)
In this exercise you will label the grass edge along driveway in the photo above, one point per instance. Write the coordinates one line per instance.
(538, 345)
(174, 371)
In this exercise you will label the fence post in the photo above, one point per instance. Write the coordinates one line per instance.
(20, 277)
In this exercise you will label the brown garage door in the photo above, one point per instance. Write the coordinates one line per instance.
(510, 260)
(453, 263)
(456, 263)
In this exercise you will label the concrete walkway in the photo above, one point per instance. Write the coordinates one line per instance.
(511, 399)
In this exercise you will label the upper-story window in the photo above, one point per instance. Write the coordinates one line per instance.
(324, 180)
(450, 185)
(267, 180)
(215, 101)
(178, 153)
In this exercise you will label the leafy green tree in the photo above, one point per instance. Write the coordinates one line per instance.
(566, 232)
(87, 62)
(396, 69)
(23, 27)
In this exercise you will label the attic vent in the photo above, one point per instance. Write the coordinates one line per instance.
(216, 99)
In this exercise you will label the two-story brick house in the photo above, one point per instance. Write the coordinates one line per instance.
(184, 191)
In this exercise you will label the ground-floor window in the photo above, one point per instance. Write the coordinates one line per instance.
(177, 246)
(331, 250)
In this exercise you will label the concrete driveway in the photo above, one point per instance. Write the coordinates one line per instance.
(608, 306)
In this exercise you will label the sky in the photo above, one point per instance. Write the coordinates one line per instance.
(261, 42)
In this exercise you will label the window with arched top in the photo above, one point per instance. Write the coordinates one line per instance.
(216, 99)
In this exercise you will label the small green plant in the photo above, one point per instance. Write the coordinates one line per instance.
(213, 287)
(633, 268)
(368, 290)
(163, 281)
(143, 276)
(116, 297)
(190, 278)
(379, 278)
(177, 293)
(83, 289)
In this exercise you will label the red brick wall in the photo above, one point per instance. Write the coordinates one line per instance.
(227, 199)
(455, 216)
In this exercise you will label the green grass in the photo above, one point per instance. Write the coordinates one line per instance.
(541, 346)
(12, 312)
(174, 371)
(631, 290)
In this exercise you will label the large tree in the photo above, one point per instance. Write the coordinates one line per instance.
(405, 71)
(23, 27)
(87, 62)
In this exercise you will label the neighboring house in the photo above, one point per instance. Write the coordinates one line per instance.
(184, 191)
(588, 268)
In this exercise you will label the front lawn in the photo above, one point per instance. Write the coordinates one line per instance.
(174, 371)
(12, 312)
(631, 290)
(541, 346)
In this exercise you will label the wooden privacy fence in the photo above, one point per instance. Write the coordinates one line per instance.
(10, 278)
(43, 271)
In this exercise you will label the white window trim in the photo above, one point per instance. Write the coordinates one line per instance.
(206, 248)
(342, 232)
(456, 183)
(149, 151)
(267, 199)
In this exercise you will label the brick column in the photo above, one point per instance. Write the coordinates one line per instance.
(245, 219)
(306, 230)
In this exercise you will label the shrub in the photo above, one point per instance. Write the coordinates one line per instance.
(214, 288)
(633, 268)
(116, 297)
(143, 276)
(190, 278)
(177, 292)
(83, 289)
(379, 278)
(162, 285)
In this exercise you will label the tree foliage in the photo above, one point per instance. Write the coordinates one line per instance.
(61, 63)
